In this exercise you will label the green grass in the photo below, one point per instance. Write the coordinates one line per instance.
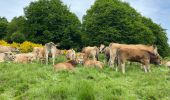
(40, 82)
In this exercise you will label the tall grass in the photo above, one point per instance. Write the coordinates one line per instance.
(40, 82)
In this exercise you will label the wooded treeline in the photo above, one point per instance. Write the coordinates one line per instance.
(106, 21)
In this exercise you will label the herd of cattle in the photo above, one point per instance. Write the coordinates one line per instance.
(116, 56)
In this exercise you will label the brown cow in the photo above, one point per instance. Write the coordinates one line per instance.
(8, 49)
(136, 55)
(71, 54)
(93, 63)
(91, 52)
(65, 65)
(114, 46)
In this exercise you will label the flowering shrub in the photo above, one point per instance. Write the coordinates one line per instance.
(24, 47)
(4, 43)
(28, 46)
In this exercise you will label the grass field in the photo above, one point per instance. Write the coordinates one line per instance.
(41, 82)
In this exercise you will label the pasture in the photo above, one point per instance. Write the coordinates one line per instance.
(41, 82)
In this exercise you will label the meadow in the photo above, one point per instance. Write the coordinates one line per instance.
(37, 81)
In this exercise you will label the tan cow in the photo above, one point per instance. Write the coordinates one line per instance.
(166, 63)
(8, 49)
(101, 48)
(136, 55)
(71, 54)
(50, 49)
(91, 52)
(93, 63)
(65, 65)
(6, 56)
(24, 58)
(107, 53)
(114, 46)
(80, 57)
(39, 53)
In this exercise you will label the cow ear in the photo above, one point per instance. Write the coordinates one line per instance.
(57, 45)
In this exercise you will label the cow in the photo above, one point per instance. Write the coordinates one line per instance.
(24, 58)
(166, 63)
(70, 65)
(114, 46)
(107, 53)
(6, 56)
(50, 49)
(8, 49)
(71, 54)
(144, 57)
(80, 57)
(39, 53)
(101, 48)
(93, 63)
(91, 52)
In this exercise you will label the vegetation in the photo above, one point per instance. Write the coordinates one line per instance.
(24, 47)
(115, 21)
(51, 20)
(106, 21)
(41, 82)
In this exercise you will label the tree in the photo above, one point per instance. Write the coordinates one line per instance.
(161, 39)
(15, 29)
(3, 27)
(115, 21)
(51, 20)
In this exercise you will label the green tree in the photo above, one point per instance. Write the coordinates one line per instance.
(3, 27)
(51, 20)
(15, 29)
(115, 21)
(161, 39)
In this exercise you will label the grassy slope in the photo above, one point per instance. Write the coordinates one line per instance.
(40, 82)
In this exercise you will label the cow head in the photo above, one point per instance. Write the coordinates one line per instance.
(9, 56)
(101, 48)
(80, 58)
(14, 49)
(155, 59)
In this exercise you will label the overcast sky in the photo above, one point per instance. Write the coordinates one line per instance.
(157, 10)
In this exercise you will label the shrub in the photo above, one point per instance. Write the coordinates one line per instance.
(24, 47)
(2, 42)
(28, 46)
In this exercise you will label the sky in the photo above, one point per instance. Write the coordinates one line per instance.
(157, 10)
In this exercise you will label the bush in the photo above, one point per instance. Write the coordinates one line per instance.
(24, 47)
(18, 37)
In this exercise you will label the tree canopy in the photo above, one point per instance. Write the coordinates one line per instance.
(105, 22)
(51, 20)
(116, 21)
(3, 27)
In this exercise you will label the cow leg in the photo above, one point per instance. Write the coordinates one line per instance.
(46, 55)
(53, 57)
(123, 68)
(148, 68)
(145, 69)
(112, 62)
